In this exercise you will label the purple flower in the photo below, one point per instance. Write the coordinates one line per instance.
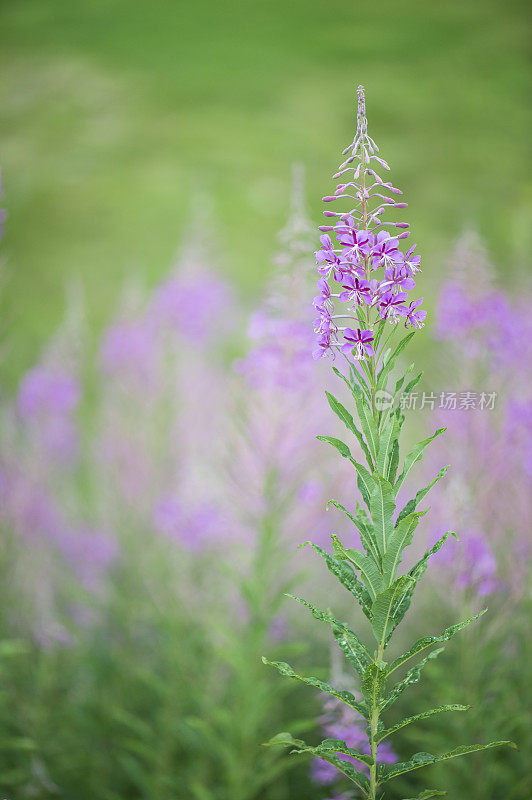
(326, 257)
(340, 722)
(411, 262)
(323, 346)
(413, 316)
(360, 341)
(323, 300)
(397, 278)
(192, 527)
(47, 391)
(391, 306)
(358, 242)
(385, 251)
(130, 349)
(356, 289)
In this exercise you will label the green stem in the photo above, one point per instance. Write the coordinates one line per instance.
(374, 726)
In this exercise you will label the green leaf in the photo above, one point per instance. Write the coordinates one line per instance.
(419, 760)
(414, 382)
(343, 414)
(373, 685)
(416, 454)
(424, 715)
(347, 639)
(394, 463)
(427, 641)
(365, 483)
(364, 480)
(412, 676)
(427, 794)
(401, 380)
(384, 609)
(418, 570)
(364, 527)
(390, 361)
(346, 697)
(359, 386)
(347, 769)
(368, 425)
(381, 508)
(413, 504)
(329, 746)
(342, 448)
(379, 328)
(388, 437)
(283, 739)
(343, 377)
(369, 570)
(400, 538)
(347, 577)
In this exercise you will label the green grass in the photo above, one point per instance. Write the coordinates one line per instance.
(114, 111)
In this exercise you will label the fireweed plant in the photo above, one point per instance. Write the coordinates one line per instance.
(367, 273)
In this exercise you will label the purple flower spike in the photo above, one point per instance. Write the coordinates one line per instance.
(359, 244)
(360, 341)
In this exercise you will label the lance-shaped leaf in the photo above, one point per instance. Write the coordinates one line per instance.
(384, 610)
(364, 479)
(347, 577)
(391, 359)
(413, 504)
(393, 463)
(400, 381)
(368, 425)
(347, 769)
(343, 414)
(347, 639)
(340, 694)
(386, 773)
(412, 676)
(379, 330)
(427, 641)
(384, 734)
(418, 569)
(373, 685)
(338, 746)
(401, 537)
(413, 383)
(427, 794)
(388, 438)
(359, 385)
(365, 528)
(369, 570)
(381, 508)
(284, 739)
(416, 454)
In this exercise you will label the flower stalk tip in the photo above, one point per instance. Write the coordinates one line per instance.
(359, 255)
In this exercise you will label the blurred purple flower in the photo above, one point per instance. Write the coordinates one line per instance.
(44, 391)
(342, 722)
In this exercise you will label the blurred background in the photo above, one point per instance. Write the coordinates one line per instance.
(113, 114)
(163, 165)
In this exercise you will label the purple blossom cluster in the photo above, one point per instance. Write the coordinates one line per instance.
(489, 488)
(341, 722)
(360, 262)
